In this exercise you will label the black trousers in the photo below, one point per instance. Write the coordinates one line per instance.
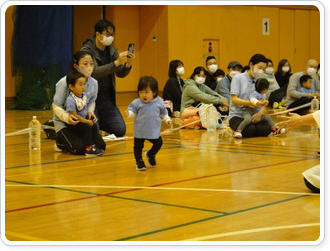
(139, 144)
(262, 128)
(110, 118)
(74, 140)
(299, 102)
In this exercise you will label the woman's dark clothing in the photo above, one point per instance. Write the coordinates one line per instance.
(173, 91)
(282, 80)
(71, 141)
(279, 94)
(261, 128)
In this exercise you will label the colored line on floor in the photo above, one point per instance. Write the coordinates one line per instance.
(254, 153)
(130, 190)
(209, 218)
(79, 159)
(95, 195)
(225, 173)
(167, 188)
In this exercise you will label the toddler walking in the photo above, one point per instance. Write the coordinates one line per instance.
(257, 97)
(76, 104)
(148, 111)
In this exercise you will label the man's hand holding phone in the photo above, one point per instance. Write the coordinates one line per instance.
(130, 56)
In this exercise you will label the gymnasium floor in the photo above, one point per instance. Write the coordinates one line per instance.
(206, 187)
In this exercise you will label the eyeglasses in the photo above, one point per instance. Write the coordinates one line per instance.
(108, 34)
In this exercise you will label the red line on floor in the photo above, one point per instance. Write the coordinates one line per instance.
(157, 185)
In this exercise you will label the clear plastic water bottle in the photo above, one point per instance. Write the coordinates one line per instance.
(315, 104)
(34, 133)
(212, 118)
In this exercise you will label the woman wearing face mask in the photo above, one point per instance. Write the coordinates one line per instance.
(173, 87)
(297, 98)
(67, 140)
(282, 77)
(283, 73)
(195, 92)
(108, 64)
(241, 87)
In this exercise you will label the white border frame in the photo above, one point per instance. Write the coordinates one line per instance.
(180, 243)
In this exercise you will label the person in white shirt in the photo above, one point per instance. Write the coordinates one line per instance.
(312, 175)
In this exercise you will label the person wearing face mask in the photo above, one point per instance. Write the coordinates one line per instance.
(282, 77)
(68, 140)
(195, 92)
(283, 73)
(269, 75)
(223, 87)
(218, 75)
(296, 98)
(242, 86)
(211, 68)
(173, 87)
(108, 63)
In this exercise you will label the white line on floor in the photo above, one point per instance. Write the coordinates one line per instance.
(167, 188)
(255, 230)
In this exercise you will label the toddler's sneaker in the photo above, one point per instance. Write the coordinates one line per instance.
(93, 150)
(278, 131)
(151, 159)
(237, 134)
(140, 166)
(57, 149)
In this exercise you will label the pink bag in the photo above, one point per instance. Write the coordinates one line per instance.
(189, 115)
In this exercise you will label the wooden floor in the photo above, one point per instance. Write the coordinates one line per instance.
(206, 187)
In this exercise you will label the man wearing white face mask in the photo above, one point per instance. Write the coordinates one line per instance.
(296, 98)
(108, 63)
(223, 87)
(211, 68)
(242, 86)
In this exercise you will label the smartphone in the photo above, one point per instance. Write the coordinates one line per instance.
(131, 48)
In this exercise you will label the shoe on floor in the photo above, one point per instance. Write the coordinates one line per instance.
(237, 135)
(57, 149)
(140, 166)
(94, 150)
(151, 159)
(278, 132)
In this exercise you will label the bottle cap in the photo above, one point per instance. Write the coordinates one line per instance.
(34, 117)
